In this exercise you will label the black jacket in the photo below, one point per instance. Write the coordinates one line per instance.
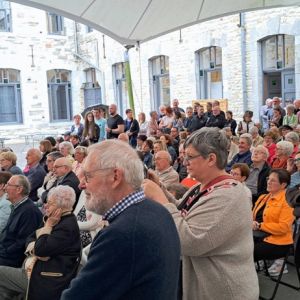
(134, 127)
(22, 222)
(199, 122)
(49, 278)
(216, 121)
(70, 180)
(261, 182)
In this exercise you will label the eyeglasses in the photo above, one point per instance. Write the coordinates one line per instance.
(271, 180)
(49, 161)
(235, 174)
(8, 184)
(259, 152)
(56, 167)
(159, 158)
(296, 160)
(87, 176)
(187, 160)
(278, 149)
(51, 203)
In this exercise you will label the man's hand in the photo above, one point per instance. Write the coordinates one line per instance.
(255, 225)
(54, 218)
(153, 191)
(107, 129)
(153, 176)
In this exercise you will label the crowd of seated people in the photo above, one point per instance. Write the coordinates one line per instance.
(263, 159)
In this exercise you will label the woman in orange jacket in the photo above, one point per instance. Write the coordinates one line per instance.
(274, 216)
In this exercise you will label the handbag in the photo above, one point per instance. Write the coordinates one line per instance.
(259, 235)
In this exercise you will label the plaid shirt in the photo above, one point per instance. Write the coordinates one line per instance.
(123, 204)
(15, 206)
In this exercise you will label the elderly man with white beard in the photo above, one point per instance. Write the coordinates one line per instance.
(137, 255)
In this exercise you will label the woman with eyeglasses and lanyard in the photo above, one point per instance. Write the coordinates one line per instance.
(273, 216)
(208, 220)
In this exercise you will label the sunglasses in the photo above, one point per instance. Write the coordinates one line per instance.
(296, 160)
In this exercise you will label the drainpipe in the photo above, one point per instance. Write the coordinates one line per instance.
(243, 54)
(89, 63)
(128, 78)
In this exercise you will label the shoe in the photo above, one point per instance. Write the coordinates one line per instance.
(275, 269)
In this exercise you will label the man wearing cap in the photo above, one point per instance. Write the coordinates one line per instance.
(285, 129)
(67, 136)
(265, 114)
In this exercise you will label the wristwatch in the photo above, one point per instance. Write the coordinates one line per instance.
(111, 131)
(259, 225)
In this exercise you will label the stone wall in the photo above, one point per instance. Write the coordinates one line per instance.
(59, 52)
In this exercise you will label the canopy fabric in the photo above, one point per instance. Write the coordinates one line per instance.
(141, 20)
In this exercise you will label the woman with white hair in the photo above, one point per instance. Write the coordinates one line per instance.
(283, 152)
(290, 118)
(53, 250)
(67, 150)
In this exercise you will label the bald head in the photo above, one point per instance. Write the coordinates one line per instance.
(113, 109)
(62, 166)
(162, 160)
(123, 137)
(33, 157)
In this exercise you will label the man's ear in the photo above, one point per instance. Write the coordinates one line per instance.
(117, 177)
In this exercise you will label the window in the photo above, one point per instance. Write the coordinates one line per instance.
(5, 16)
(209, 72)
(55, 24)
(92, 89)
(89, 29)
(59, 95)
(10, 97)
(160, 85)
(120, 87)
(278, 52)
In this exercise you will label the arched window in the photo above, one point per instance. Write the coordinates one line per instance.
(210, 73)
(10, 97)
(59, 95)
(160, 80)
(278, 60)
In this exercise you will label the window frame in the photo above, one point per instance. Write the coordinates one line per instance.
(68, 90)
(17, 96)
(60, 24)
(202, 73)
(7, 20)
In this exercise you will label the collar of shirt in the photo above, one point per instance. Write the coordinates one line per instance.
(259, 168)
(165, 171)
(60, 179)
(32, 169)
(17, 204)
(123, 204)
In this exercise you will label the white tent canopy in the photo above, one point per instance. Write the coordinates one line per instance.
(141, 20)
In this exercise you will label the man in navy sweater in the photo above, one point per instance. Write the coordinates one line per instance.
(244, 155)
(25, 218)
(137, 254)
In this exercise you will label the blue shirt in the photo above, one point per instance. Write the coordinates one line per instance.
(295, 179)
(240, 158)
(101, 123)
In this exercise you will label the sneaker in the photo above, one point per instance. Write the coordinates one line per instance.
(275, 269)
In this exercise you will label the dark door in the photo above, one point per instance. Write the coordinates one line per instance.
(273, 85)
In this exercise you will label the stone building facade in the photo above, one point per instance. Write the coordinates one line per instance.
(52, 60)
